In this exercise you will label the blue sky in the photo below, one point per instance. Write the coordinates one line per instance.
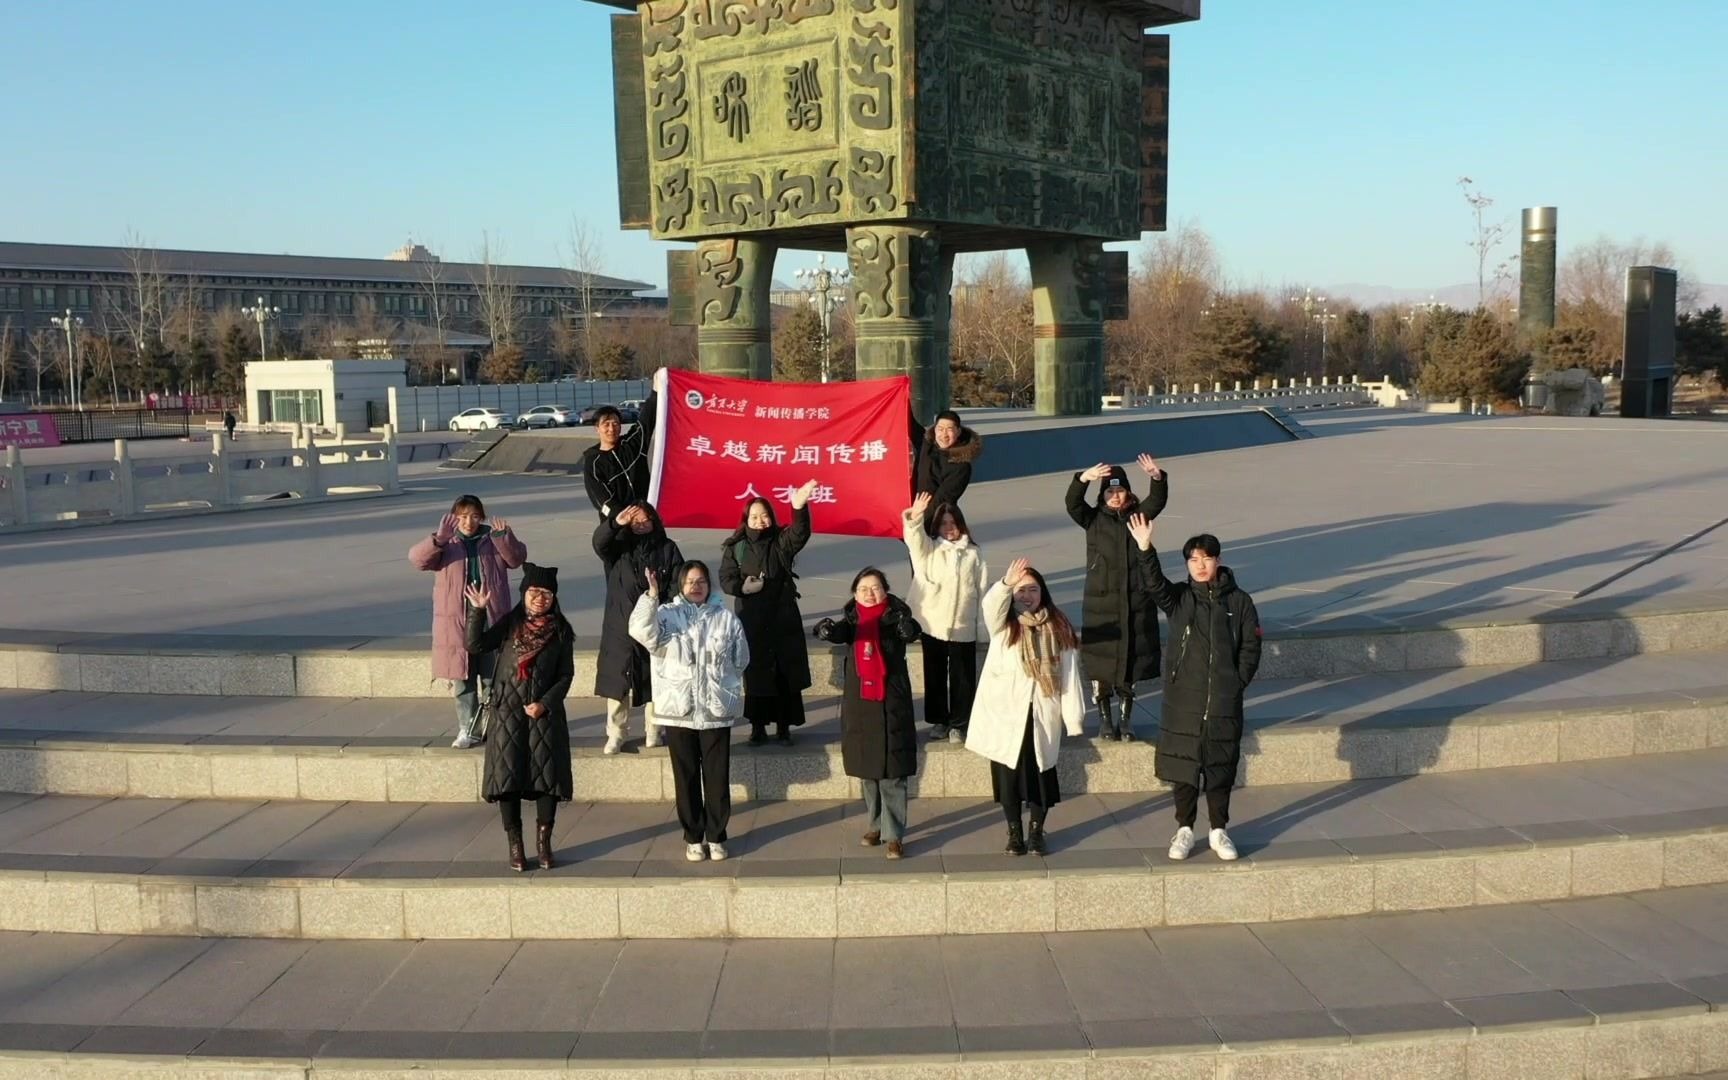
(1315, 141)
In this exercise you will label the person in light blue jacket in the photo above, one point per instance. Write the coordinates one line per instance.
(698, 654)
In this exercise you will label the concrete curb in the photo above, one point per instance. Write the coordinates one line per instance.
(306, 666)
(912, 898)
(1325, 750)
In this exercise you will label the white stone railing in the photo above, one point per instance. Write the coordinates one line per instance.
(224, 478)
(1306, 394)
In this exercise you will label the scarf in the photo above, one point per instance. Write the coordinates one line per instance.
(471, 548)
(1038, 652)
(867, 653)
(531, 636)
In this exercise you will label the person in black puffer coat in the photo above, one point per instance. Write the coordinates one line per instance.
(946, 454)
(528, 740)
(1118, 622)
(1214, 650)
(629, 545)
(878, 732)
(756, 567)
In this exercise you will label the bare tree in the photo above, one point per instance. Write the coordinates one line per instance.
(44, 348)
(1488, 237)
(499, 296)
(435, 288)
(139, 309)
(1177, 277)
(992, 327)
(584, 262)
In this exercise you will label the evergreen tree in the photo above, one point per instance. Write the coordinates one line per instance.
(233, 353)
(503, 365)
(798, 346)
(1474, 356)
(1701, 344)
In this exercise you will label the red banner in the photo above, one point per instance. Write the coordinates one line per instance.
(25, 430)
(719, 443)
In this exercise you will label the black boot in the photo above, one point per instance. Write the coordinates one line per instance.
(1016, 841)
(1035, 838)
(1106, 724)
(758, 735)
(1126, 727)
(543, 843)
(518, 861)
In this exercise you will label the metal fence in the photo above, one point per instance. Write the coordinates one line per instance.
(103, 425)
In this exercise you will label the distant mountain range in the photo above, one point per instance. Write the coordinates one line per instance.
(1459, 296)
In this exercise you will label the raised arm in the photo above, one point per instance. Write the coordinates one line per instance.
(1163, 591)
(794, 536)
(480, 638)
(434, 551)
(1158, 487)
(611, 539)
(510, 549)
(919, 544)
(996, 605)
(645, 622)
(1082, 512)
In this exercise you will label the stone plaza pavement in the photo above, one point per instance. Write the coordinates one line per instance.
(1387, 517)
(1483, 827)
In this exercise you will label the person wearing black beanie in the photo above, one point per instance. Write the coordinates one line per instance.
(528, 739)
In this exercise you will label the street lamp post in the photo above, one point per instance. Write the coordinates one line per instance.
(71, 324)
(263, 315)
(821, 284)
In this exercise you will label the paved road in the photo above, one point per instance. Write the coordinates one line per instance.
(1390, 513)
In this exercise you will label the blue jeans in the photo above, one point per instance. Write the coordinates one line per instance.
(468, 693)
(885, 806)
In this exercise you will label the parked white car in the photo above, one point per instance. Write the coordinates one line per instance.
(476, 420)
(547, 416)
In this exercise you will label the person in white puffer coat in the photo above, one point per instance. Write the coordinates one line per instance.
(949, 577)
(698, 652)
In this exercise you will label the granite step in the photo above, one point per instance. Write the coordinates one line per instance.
(1610, 987)
(1299, 731)
(224, 868)
(311, 665)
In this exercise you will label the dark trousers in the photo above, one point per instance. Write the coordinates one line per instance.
(784, 709)
(702, 771)
(1013, 806)
(950, 681)
(545, 812)
(1187, 798)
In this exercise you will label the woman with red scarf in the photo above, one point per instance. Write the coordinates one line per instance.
(528, 740)
(878, 735)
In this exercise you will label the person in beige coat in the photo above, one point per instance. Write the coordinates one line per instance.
(949, 577)
(1029, 697)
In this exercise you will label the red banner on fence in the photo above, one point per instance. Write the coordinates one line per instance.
(25, 430)
(719, 443)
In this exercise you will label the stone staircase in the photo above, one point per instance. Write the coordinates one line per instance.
(1484, 850)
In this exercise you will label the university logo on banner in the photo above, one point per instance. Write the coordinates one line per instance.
(720, 443)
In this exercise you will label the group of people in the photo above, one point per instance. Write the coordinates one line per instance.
(672, 646)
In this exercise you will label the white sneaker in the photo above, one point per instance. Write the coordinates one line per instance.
(1222, 844)
(613, 745)
(695, 852)
(464, 742)
(956, 736)
(652, 739)
(1182, 843)
(717, 852)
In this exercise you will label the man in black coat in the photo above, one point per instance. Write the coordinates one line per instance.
(1119, 623)
(945, 456)
(615, 472)
(629, 545)
(1214, 652)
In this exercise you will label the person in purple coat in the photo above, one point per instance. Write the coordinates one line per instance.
(466, 550)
